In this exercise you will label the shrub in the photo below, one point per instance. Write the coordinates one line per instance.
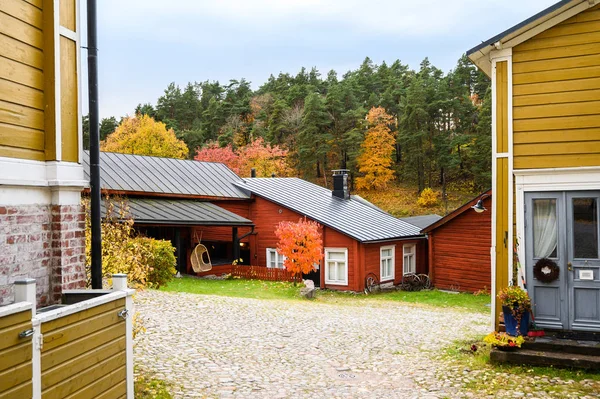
(160, 261)
(428, 198)
(146, 261)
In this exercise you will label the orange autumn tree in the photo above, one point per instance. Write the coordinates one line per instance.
(301, 244)
(375, 159)
(263, 157)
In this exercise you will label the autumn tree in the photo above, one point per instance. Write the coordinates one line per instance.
(212, 152)
(301, 245)
(375, 159)
(142, 135)
(265, 158)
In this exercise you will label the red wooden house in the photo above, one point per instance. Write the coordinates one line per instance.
(459, 248)
(190, 202)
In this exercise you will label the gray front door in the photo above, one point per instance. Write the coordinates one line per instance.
(563, 226)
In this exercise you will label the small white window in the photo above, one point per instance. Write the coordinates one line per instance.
(409, 264)
(388, 262)
(274, 259)
(336, 266)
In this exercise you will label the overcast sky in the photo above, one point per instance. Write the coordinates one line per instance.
(146, 44)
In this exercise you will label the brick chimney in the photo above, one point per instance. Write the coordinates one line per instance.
(340, 184)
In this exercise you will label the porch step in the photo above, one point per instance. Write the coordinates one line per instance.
(546, 358)
(553, 344)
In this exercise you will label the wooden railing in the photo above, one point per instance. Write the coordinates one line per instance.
(261, 273)
(80, 350)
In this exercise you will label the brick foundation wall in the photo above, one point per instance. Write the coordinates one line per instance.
(45, 242)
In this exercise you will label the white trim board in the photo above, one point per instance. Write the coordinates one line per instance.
(24, 172)
(326, 268)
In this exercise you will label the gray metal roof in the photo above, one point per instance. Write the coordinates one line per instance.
(144, 174)
(351, 217)
(518, 26)
(180, 212)
(422, 221)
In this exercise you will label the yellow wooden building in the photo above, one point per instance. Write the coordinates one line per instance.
(41, 174)
(545, 76)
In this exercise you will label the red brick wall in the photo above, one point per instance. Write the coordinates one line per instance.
(42, 242)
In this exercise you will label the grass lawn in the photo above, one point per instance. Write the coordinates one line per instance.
(487, 377)
(286, 291)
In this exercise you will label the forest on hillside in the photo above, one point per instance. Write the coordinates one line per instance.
(439, 123)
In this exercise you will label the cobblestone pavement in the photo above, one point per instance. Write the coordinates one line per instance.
(219, 347)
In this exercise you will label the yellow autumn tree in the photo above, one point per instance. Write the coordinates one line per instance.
(142, 135)
(375, 159)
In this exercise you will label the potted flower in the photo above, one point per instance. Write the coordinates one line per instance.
(503, 341)
(516, 306)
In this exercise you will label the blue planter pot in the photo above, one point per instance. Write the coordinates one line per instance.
(510, 323)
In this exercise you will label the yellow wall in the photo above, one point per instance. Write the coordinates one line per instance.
(21, 80)
(15, 356)
(500, 190)
(28, 81)
(556, 95)
(83, 354)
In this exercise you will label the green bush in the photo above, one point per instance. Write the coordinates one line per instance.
(161, 261)
(146, 261)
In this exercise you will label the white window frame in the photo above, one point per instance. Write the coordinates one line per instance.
(278, 257)
(392, 257)
(343, 281)
(412, 261)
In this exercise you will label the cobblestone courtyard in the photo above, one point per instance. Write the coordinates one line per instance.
(219, 347)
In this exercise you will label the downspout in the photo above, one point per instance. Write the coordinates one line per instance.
(95, 196)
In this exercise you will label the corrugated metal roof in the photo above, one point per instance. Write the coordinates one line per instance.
(138, 173)
(180, 212)
(423, 220)
(351, 217)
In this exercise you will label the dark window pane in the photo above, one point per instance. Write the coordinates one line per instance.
(585, 228)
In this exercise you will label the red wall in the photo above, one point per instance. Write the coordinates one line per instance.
(373, 262)
(460, 252)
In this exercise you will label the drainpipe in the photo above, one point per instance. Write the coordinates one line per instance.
(92, 58)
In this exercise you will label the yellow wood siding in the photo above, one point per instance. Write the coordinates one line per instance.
(28, 80)
(556, 95)
(500, 191)
(69, 100)
(21, 80)
(83, 354)
(15, 356)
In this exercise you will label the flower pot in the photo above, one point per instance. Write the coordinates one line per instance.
(510, 323)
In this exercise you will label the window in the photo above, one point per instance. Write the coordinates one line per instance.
(274, 259)
(388, 264)
(336, 266)
(409, 264)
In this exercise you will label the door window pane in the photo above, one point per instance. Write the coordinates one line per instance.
(585, 228)
(545, 228)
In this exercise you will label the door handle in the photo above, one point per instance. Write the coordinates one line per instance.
(570, 266)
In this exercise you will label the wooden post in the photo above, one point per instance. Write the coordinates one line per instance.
(119, 282)
(25, 292)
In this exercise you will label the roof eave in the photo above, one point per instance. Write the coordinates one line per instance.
(192, 223)
(526, 29)
(399, 238)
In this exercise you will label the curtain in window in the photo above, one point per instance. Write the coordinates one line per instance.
(545, 228)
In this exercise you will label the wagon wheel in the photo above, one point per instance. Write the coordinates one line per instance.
(425, 281)
(410, 282)
(371, 283)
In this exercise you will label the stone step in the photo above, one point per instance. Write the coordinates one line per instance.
(552, 344)
(543, 358)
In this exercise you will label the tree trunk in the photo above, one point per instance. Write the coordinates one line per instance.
(318, 169)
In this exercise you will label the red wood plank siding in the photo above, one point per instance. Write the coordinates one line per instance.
(461, 251)
(373, 258)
